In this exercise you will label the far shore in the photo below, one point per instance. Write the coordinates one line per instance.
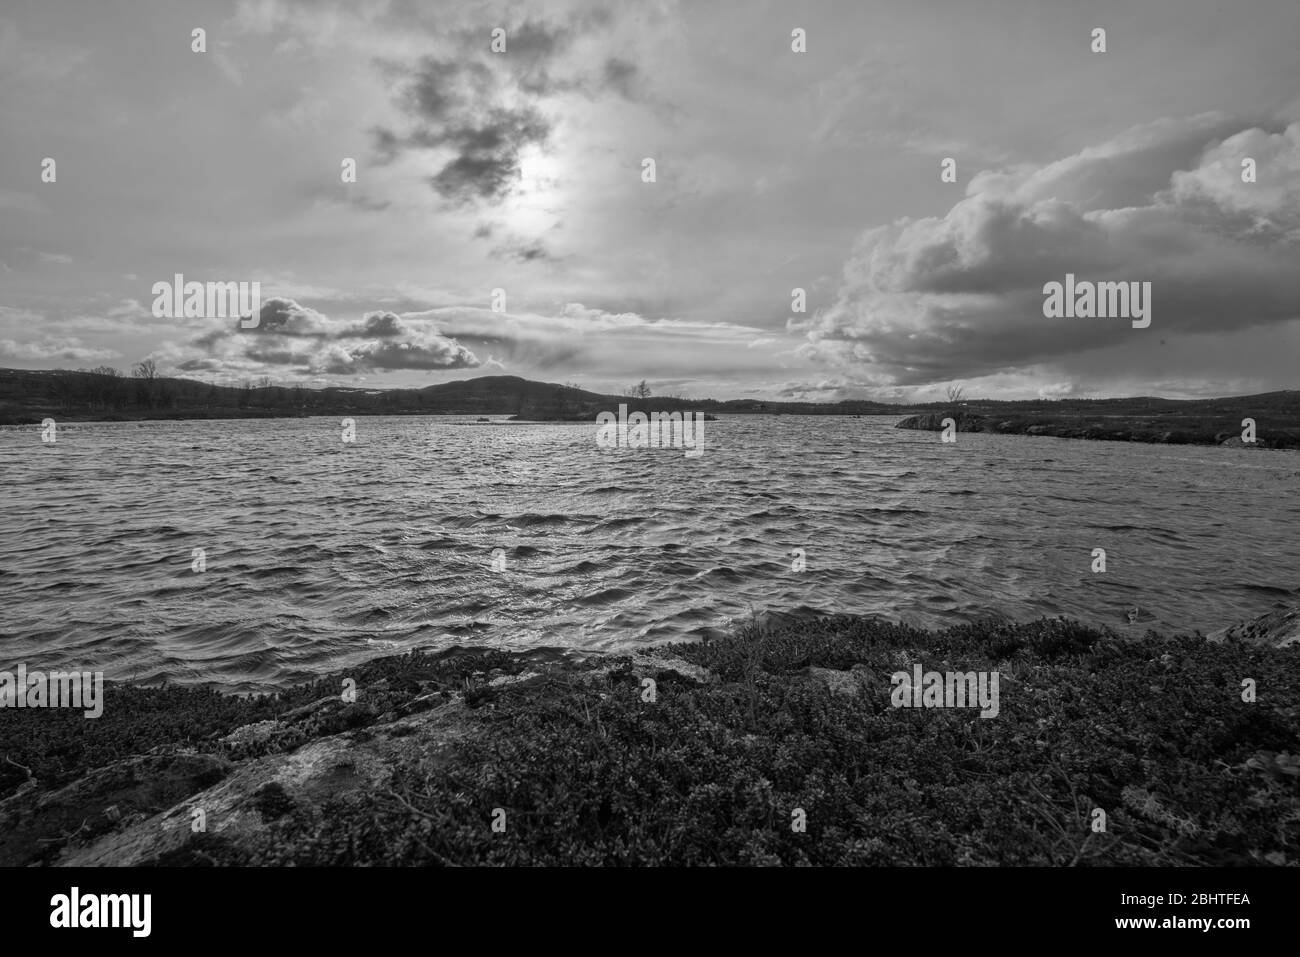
(1112, 428)
(30, 397)
(1268, 429)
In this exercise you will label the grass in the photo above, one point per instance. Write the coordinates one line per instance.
(1152, 732)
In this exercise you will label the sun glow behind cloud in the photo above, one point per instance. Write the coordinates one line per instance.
(534, 206)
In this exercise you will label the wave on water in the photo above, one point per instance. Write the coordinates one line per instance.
(316, 555)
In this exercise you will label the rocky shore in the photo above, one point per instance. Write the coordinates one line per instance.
(1119, 428)
(780, 743)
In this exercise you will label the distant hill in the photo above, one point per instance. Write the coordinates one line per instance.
(27, 396)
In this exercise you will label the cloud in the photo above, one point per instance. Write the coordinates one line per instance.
(937, 298)
(285, 317)
(614, 345)
(50, 347)
(620, 75)
(433, 352)
(486, 112)
(18, 318)
(459, 106)
(488, 150)
(129, 309)
(382, 325)
(523, 252)
(293, 336)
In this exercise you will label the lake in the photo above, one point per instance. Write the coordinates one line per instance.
(319, 554)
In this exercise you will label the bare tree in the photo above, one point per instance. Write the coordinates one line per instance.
(145, 369)
(956, 393)
(638, 391)
(105, 370)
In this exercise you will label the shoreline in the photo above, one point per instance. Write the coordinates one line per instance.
(1117, 428)
(1148, 430)
(694, 753)
(30, 397)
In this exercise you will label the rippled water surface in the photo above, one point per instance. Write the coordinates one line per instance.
(320, 554)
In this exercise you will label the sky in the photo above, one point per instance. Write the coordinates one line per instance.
(520, 175)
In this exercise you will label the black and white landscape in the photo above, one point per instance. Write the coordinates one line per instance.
(670, 434)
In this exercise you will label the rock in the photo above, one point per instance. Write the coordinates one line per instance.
(1279, 628)
(95, 803)
(501, 681)
(241, 807)
(839, 682)
(652, 665)
(252, 734)
(649, 665)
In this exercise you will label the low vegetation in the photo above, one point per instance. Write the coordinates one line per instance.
(750, 729)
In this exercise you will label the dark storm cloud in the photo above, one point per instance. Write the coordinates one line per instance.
(472, 108)
(961, 295)
(487, 161)
(454, 105)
